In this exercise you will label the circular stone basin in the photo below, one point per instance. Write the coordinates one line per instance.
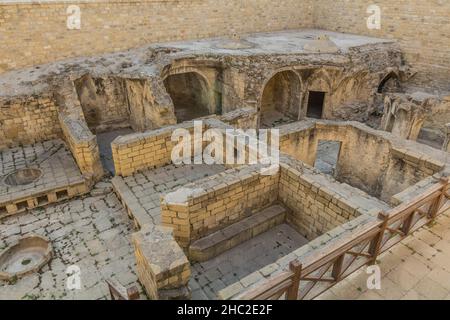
(23, 177)
(27, 255)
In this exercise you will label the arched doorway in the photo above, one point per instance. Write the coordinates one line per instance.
(389, 84)
(190, 96)
(281, 99)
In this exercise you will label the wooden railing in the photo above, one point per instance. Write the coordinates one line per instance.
(119, 292)
(325, 267)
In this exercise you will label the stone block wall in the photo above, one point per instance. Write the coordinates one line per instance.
(83, 145)
(422, 28)
(245, 118)
(385, 165)
(161, 264)
(146, 150)
(28, 120)
(35, 32)
(318, 204)
(406, 168)
(205, 206)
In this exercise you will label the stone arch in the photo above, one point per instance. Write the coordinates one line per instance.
(281, 96)
(389, 83)
(191, 94)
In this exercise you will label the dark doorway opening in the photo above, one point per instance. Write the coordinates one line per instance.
(316, 101)
(390, 84)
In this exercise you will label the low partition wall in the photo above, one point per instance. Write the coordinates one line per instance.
(244, 118)
(314, 270)
(207, 205)
(151, 149)
(316, 203)
(319, 204)
(84, 147)
(371, 160)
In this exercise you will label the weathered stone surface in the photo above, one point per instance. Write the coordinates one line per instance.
(218, 242)
(161, 263)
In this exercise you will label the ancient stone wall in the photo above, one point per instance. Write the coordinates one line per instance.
(28, 120)
(422, 28)
(35, 33)
(205, 206)
(161, 265)
(383, 167)
(83, 145)
(151, 149)
(103, 101)
(315, 205)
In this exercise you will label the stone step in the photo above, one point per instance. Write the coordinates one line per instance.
(220, 241)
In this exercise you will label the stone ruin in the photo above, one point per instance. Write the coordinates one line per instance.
(86, 159)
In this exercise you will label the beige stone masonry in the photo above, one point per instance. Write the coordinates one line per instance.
(161, 263)
(244, 118)
(40, 34)
(222, 240)
(209, 204)
(84, 147)
(151, 149)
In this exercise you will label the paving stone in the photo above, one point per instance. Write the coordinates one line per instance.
(71, 245)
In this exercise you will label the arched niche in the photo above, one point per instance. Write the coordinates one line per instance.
(281, 97)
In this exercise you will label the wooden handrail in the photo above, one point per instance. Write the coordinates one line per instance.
(390, 228)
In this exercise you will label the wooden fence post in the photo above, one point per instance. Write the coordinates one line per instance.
(296, 267)
(434, 210)
(337, 268)
(375, 245)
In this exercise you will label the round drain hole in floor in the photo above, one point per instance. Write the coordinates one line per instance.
(26, 262)
(23, 177)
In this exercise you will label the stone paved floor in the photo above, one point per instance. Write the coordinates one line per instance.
(209, 277)
(149, 185)
(417, 268)
(51, 157)
(92, 233)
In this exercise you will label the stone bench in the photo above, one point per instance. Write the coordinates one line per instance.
(237, 233)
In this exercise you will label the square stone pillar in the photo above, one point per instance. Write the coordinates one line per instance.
(162, 267)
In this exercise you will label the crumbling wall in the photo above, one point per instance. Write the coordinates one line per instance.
(104, 102)
(148, 104)
(422, 28)
(405, 169)
(434, 126)
(405, 114)
(115, 102)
